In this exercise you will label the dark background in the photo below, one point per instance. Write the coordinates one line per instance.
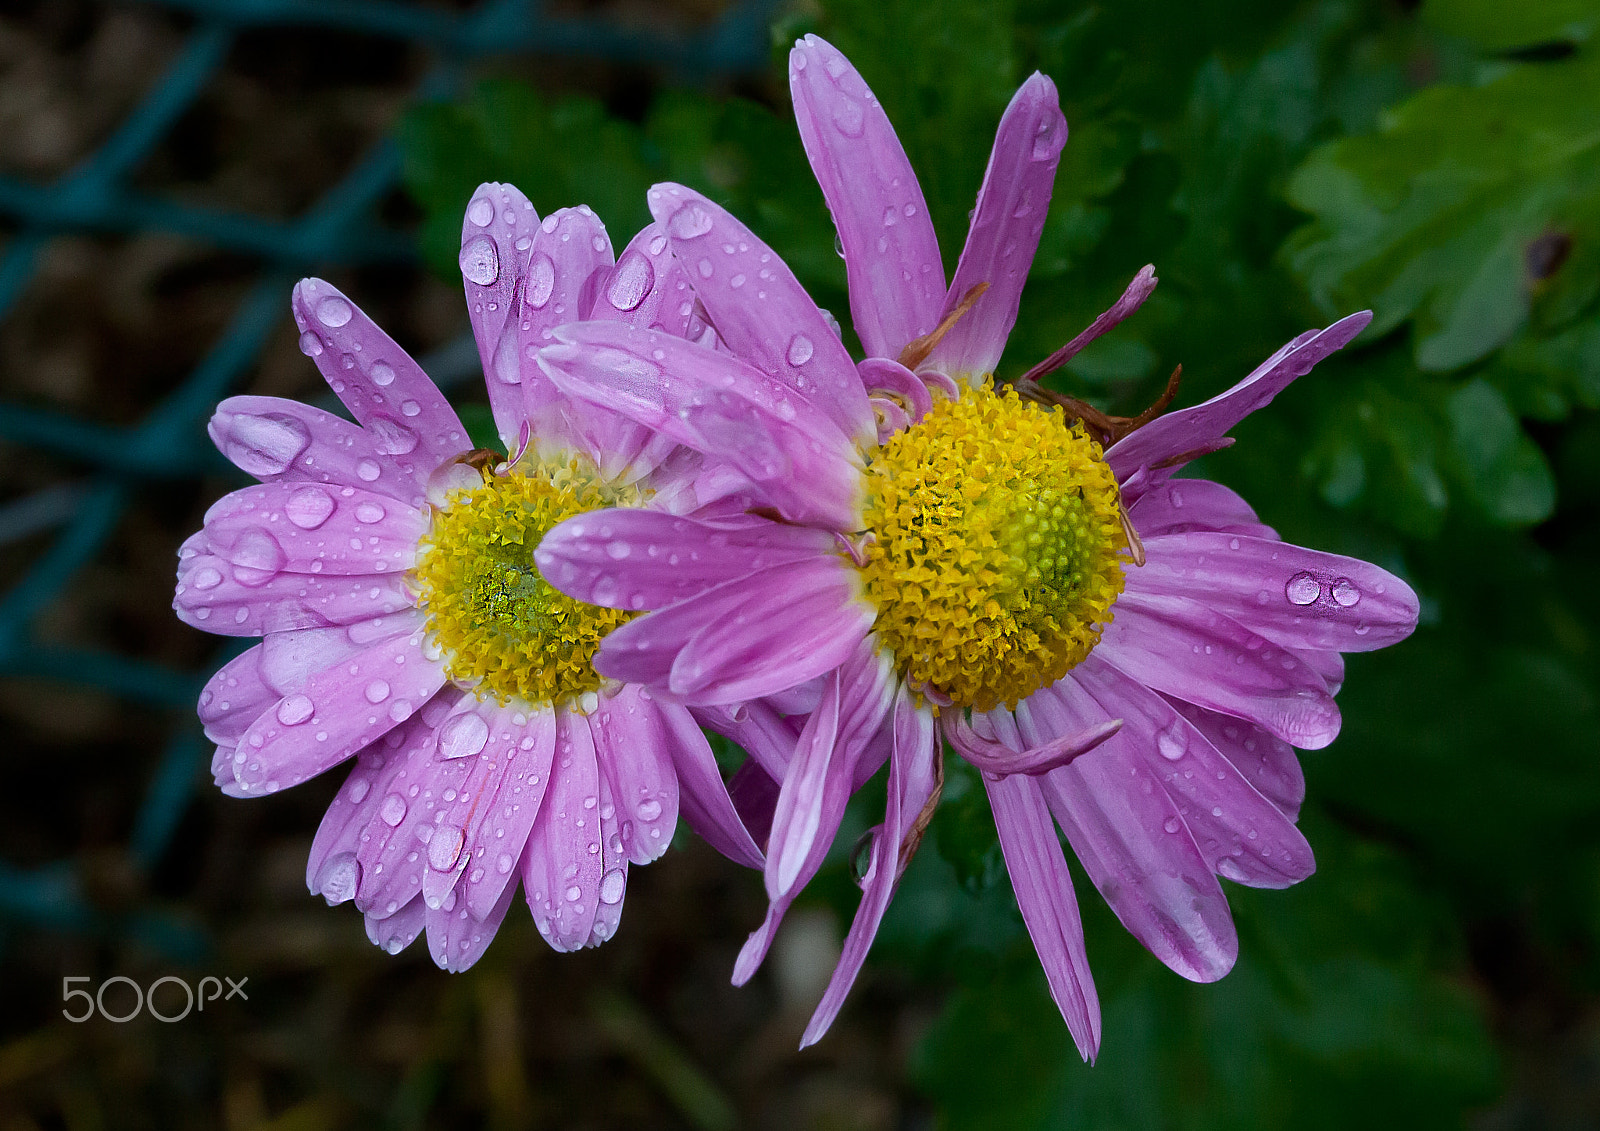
(168, 169)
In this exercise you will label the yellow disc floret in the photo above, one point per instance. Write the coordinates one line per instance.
(997, 547)
(503, 629)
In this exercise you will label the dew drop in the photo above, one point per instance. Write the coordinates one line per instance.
(649, 810)
(800, 350)
(1345, 592)
(358, 790)
(367, 470)
(1302, 589)
(1170, 746)
(310, 344)
(391, 437)
(207, 577)
(481, 212)
(848, 116)
(612, 885)
(633, 279)
(334, 312)
(382, 373)
(295, 710)
(369, 513)
(444, 847)
(377, 691)
(463, 735)
(1171, 824)
(689, 221)
(265, 445)
(541, 280)
(480, 261)
(393, 810)
(309, 507)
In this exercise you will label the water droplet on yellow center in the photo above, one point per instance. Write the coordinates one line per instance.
(997, 547)
(504, 630)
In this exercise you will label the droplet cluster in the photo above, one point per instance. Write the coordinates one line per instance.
(996, 550)
(503, 630)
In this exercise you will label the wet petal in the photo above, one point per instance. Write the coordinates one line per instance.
(497, 233)
(1181, 505)
(891, 255)
(562, 867)
(216, 596)
(632, 744)
(300, 528)
(702, 795)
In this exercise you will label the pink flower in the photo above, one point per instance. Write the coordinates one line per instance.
(1125, 655)
(390, 573)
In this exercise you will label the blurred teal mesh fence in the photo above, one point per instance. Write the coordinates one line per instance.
(170, 442)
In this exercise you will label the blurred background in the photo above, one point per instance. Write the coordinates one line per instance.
(167, 169)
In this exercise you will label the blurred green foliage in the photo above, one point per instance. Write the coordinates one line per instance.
(1279, 164)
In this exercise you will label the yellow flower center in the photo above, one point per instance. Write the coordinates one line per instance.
(997, 547)
(503, 629)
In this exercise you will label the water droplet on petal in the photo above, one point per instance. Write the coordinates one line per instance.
(309, 507)
(295, 710)
(444, 848)
(480, 261)
(391, 437)
(1044, 147)
(382, 373)
(649, 810)
(612, 885)
(393, 810)
(463, 735)
(800, 350)
(1172, 824)
(367, 470)
(377, 691)
(633, 279)
(481, 212)
(334, 312)
(689, 221)
(1170, 745)
(310, 344)
(574, 893)
(206, 578)
(1345, 592)
(1302, 589)
(541, 280)
(265, 445)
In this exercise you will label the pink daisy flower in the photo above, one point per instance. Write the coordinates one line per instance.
(1125, 655)
(389, 570)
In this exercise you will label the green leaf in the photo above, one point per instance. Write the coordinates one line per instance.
(1502, 469)
(1440, 216)
(1495, 25)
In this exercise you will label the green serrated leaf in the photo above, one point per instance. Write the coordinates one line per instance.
(1438, 217)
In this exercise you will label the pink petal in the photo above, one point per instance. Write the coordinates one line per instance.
(1243, 835)
(913, 775)
(234, 698)
(214, 596)
(759, 729)
(286, 441)
(562, 867)
(1267, 762)
(393, 933)
(1132, 841)
(632, 744)
(340, 710)
(1043, 885)
(300, 528)
(1000, 761)
(649, 287)
(1181, 647)
(457, 938)
(891, 255)
(1299, 598)
(644, 559)
(1005, 230)
(760, 311)
(755, 636)
(702, 796)
(386, 391)
(613, 867)
(1201, 427)
(497, 233)
(333, 870)
(1181, 505)
(719, 405)
(498, 830)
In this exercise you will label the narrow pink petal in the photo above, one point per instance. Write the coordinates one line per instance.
(702, 795)
(212, 595)
(562, 867)
(340, 710)
(613, 867)
(1005, 230)
(496, 244)
(754, 794)
(1299, 598)
(332, 868)
(1043, 885)
(1181, 647)
(303, 528)
(1181, 505)
(457, 938)
(645, 559)
(285, 441)
(811, 802)
(633, 747)
(913, 776)
(759, 309)
(767, 735)
(498, 829)
(393, 933)
(649, 287)
(1132, 298)
(386, 391)
(1267, 762)
(719, 405)
(891, 255)
(886, 375)
(754, 636)
(1001, 761)
(1193, 429)
(1329, 665)
(1243, 835)
(1132, 841)
(234, 698)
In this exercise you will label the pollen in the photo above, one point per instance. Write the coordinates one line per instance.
(504, 631)
(997, 548)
